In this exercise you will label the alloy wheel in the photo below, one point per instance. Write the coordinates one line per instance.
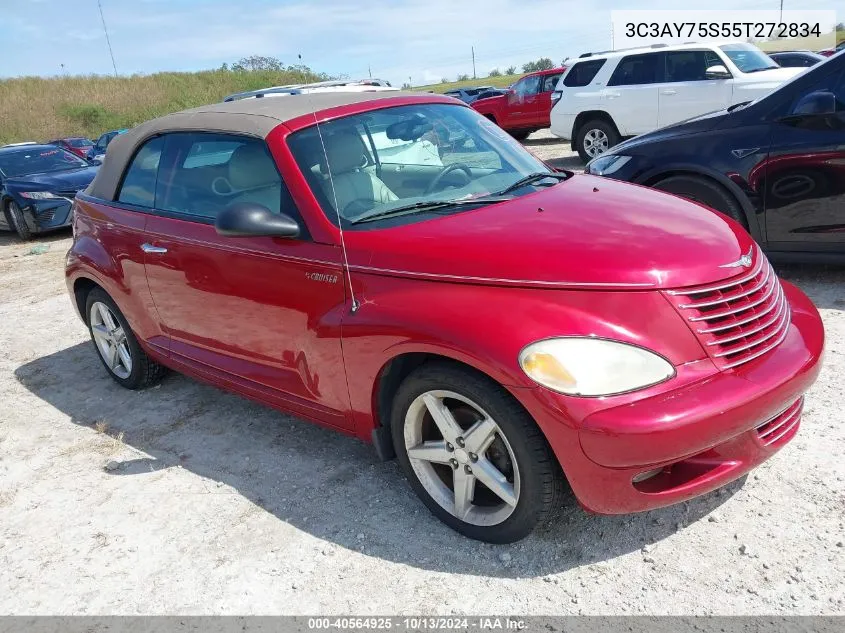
(596, 143)
(462, 458)
(110, 339)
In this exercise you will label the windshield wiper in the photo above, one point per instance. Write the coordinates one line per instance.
(427, 205)
(538, 175)
(757, 70)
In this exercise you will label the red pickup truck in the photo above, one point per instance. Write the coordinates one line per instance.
(526, 106)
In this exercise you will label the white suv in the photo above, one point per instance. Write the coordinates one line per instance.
(605, 97)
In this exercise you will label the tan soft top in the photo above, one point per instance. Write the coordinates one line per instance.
(251, 117)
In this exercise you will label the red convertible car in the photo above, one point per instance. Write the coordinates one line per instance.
(500, 327)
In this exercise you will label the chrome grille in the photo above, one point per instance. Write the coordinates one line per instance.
(779, 427)
(739, 319)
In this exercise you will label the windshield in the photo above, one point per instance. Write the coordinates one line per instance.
(37, 160)
(748, 58)
(79, 142)
(395, 157)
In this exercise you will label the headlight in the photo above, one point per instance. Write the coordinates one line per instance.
(38, 195)
(592, 366)
(604, 165)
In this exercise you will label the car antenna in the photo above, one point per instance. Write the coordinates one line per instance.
(345, 262)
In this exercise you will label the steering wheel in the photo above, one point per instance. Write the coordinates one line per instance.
(221, 186)
(446, 171)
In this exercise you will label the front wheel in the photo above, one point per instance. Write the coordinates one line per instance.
(17, 221)
(473, 455)
(594, 138)
(704, 191)
(519, 135)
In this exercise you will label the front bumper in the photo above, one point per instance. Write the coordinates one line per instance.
(691, 439)
(47, 215)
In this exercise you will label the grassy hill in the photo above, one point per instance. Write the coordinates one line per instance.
(796, 43)
(499, 82)
(37, 109)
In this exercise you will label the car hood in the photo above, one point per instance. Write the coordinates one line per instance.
(694, 125)
(586, 232)
(71, 179)
(774, 76)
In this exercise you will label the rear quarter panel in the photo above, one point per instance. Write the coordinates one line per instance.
(107, 250)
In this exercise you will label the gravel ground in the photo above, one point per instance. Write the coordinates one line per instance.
(185, 499)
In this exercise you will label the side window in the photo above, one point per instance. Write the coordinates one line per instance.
(582, 73)
(527, 86)
(686, 66)
(636, 70)
(202, 173)
(712, 59)
(550, 81)
(139, 181)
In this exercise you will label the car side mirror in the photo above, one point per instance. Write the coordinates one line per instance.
(717, 72)
(248, 219)
(95, 162)
(818, 102)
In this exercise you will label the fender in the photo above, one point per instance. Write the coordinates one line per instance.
(751, 213)
(402, 316)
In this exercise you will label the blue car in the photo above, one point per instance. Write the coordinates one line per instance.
(98, 152)
(37, 187)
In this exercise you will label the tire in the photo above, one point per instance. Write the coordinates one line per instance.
(142, 371)
(704, 191)
(594, 138)
(520, 135)
(17, 221)
(515, 448)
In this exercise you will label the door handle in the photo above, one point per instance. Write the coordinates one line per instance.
(149, 248)
(668, 91)
(613, 95)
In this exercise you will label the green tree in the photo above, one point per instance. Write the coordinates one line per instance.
(463, 77)
(495, 73)
(510, 70)
(444, 80)
(544, 63)
(258, 62)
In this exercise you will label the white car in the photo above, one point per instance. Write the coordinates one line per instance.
(341, 85)
(605, 97)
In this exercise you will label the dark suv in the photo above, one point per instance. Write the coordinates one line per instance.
(777, 164)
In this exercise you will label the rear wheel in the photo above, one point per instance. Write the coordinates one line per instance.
(116, 344)
(17, 221)
(594, 138)
(473, 455)
(519, 135)
(704, 191)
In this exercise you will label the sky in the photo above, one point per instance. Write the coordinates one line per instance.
(416, 41)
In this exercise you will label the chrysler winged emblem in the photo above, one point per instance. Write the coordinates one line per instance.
(744, 261)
